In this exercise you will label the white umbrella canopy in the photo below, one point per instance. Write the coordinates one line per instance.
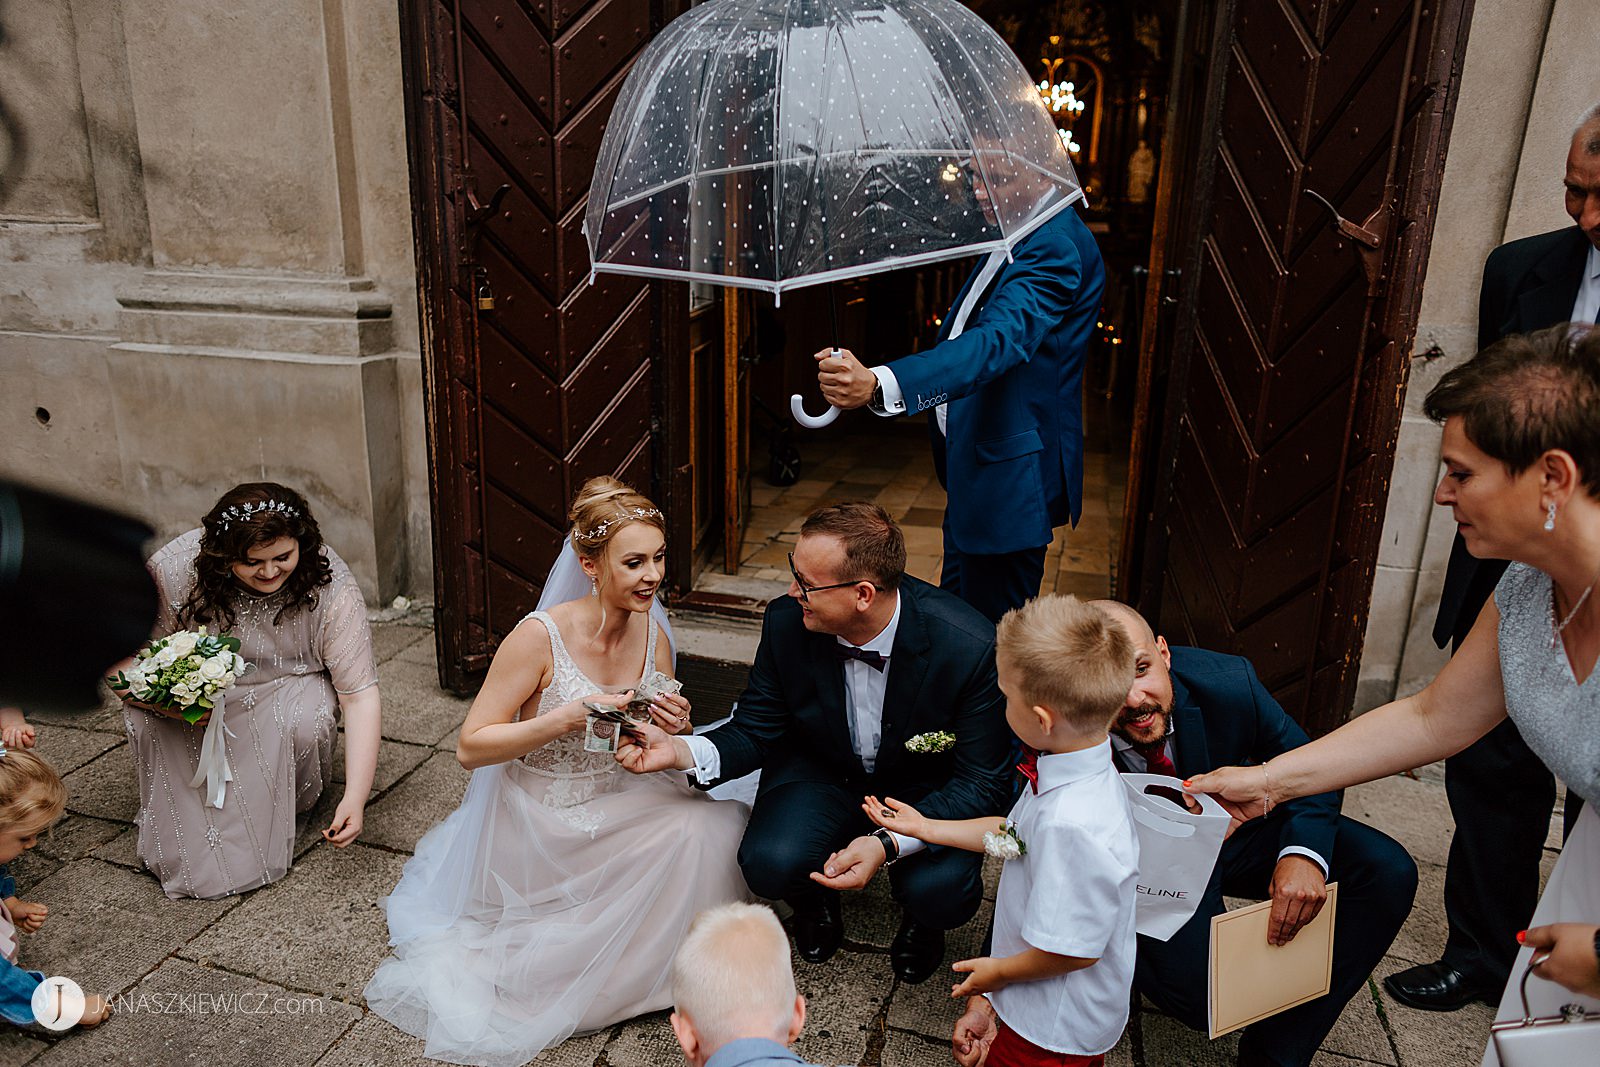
(779, 143)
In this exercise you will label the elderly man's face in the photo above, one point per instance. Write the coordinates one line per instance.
(1583, 182)
(1146, 714)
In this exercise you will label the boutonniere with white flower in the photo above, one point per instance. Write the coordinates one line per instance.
(1005, 843)
(931, 743)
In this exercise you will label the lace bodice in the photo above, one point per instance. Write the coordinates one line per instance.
(1557, 717)
(565, 756)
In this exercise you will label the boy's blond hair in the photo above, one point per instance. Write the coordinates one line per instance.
(1070, 657)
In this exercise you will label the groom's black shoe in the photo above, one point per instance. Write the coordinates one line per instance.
(818, 928)
(1435, 987)
(917, 950)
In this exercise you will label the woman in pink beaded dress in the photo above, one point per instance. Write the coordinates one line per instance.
(551, 901)
(257, 568)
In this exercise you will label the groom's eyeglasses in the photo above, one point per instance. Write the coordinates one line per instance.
(807, 590)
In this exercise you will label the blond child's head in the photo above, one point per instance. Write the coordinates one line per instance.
(1065, 668)
(32, 798)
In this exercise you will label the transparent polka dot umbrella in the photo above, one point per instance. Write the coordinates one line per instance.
(773, 144)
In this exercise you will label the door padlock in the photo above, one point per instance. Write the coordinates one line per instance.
(485, 295)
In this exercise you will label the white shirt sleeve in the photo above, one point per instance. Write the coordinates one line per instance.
(908, 845)
(1301, 850)
(894, 401)
(707, 759)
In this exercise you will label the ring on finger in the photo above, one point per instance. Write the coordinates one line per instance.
(1538, 959)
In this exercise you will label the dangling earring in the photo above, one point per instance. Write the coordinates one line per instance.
(1550, 519)
(594, 586)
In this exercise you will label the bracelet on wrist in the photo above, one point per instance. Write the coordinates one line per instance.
(891, 847)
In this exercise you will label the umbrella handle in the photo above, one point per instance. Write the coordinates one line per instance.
(797, 408)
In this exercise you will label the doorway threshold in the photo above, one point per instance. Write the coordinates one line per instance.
(731, 595)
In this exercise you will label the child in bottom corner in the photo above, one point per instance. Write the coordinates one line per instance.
(1054, 991)
(32, 798)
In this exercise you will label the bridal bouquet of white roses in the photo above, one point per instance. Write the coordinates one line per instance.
(183, 672)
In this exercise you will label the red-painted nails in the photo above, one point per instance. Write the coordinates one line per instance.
(1522, 937)
(1186, 783)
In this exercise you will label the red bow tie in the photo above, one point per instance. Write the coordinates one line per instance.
(1029, 767)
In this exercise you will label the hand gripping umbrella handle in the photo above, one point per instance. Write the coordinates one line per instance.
(797, 408)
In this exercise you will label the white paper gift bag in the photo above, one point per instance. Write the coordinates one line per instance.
(1177, 851)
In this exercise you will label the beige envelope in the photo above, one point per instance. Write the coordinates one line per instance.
(1250, 979)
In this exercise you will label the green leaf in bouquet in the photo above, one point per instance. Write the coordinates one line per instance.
(194, 715)
(231, 644)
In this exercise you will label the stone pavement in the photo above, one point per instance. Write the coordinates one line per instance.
(275, 976)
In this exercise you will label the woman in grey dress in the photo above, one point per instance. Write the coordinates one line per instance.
(257, 569)
(1521, 451)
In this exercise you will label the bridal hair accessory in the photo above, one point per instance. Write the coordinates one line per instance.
(626, 515)
(239, 512)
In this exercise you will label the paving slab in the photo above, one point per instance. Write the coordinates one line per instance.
(843, 1000)
(18, 1048)
(1444, 1038)
(68, 748)
(374, 1043)
(1360, 1033)
(110, 926)
(1421, 939)
(186, 1014)
(1167, 1043)
(123, 850)
(107, 716)
(77, 836)
(396, 759)
(104, 787)
(414, 708)
(319, 929)
(1412, 811)
(927, 1008)
(388, 641)
(406, 812)
(425, 653)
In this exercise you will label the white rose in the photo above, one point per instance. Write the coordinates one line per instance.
(164, 658)
(183, 643)
(183, 693)
(227, 680)
(213, 669)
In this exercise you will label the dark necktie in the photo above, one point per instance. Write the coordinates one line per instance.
(1029, 767)
(875, 660)
(1156, 760)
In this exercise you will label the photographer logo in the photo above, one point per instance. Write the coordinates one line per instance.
(58, 1003)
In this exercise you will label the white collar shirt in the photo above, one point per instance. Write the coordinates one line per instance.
(1587, 307)
(863, 692)
(1072, 893)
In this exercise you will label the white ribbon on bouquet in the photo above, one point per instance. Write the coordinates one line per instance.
(213, 772)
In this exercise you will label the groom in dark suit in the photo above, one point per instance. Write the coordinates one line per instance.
(1500, 792)
(1191, 710)
(858, 660)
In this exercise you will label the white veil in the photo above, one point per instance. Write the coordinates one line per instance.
(439, 882)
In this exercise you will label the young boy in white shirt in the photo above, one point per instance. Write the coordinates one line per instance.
(1054, 992)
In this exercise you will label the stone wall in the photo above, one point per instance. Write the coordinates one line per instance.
(1529, 74)
(206, 270)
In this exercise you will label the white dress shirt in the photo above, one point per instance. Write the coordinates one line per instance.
(894, 401)
(863, 708)
(1128, 758)
(1587, 307)
(1072, 893)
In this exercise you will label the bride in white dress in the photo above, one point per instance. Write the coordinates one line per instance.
(552, 900)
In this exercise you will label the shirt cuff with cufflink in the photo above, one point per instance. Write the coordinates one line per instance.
(888, 399)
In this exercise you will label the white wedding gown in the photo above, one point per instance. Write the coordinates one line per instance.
(551, 902)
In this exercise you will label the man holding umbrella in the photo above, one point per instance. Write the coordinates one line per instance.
(1005, 383)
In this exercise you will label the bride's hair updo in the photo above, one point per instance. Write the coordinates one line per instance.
(602, 507)
(248, 515)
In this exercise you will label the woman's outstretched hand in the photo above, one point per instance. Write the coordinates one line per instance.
(1243, 791)
(893, 815)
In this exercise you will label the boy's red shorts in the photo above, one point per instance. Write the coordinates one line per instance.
(1011, 1049)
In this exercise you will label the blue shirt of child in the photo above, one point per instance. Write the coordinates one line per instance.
(16, 985)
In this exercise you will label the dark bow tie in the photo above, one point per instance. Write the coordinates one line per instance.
(875, 660)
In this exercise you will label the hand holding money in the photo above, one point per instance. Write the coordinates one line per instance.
(605, 724)
(668, 707)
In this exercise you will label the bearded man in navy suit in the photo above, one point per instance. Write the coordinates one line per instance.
(1191, 710)
(1005, 385)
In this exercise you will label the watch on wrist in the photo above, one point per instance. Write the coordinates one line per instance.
(877, 395)
(1597, 947)
(891, 847)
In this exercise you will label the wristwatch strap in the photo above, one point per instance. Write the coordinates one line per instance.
(891, 847)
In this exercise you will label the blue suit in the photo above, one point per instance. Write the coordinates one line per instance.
(1012, 463)
(1223, 716)
(754, 1052)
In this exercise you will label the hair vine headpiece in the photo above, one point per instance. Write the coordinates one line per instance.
(626, 515)
(239, 512)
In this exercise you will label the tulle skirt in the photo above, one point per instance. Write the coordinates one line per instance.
(548, 906)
